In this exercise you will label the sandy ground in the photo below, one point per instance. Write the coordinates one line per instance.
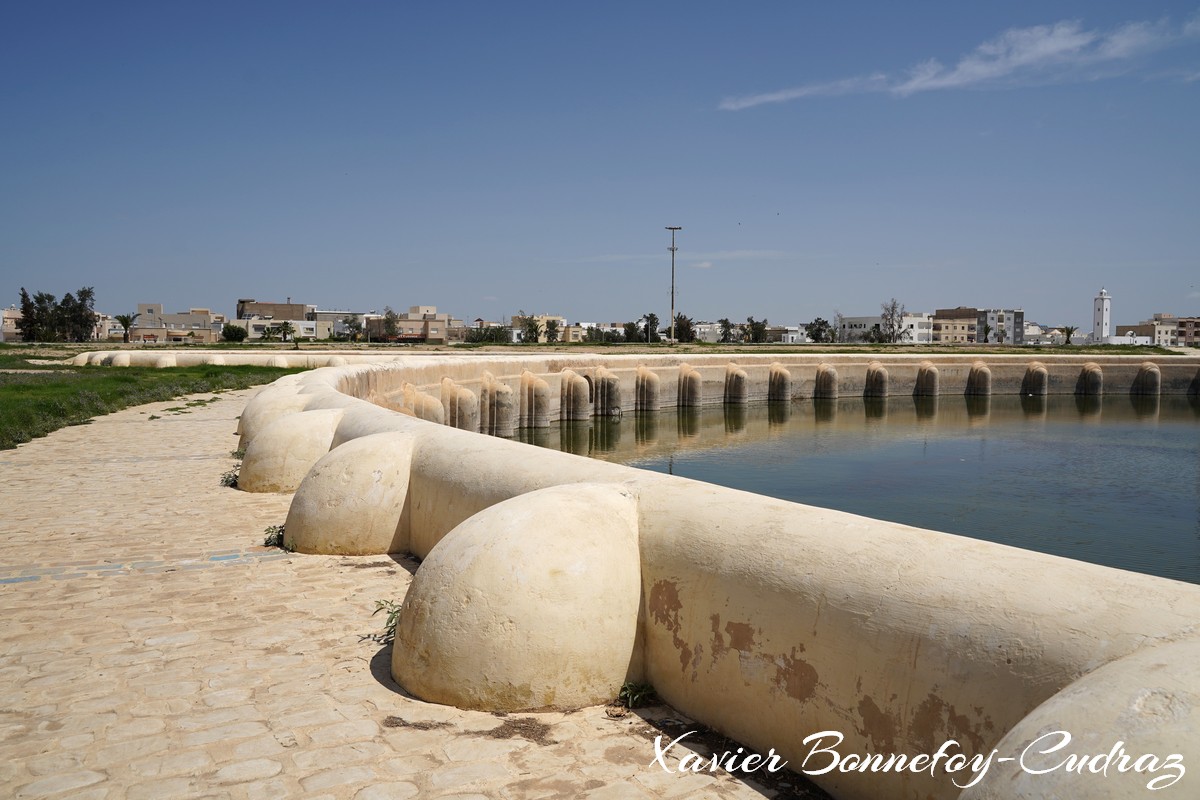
(151, 648)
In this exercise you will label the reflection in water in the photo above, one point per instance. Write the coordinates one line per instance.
(1089, 405)
(825, 410)
(778, 413)
(688, 422)
(926, 405)
(1145, 406)
(606, 434)
(735, 418)
(978, 405)
(1115, 482)
(875, 407)
(645, 430)
(1034, 405)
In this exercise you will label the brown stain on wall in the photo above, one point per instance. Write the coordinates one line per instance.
(935, 721)
(796, 677)
(741, 636)
(718, 642)
(665, 605)
(878, 727)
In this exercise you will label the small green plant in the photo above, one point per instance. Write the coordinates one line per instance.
(239, 454)
(230, 478)
(636, 695)
(392, 608)
(274, 537)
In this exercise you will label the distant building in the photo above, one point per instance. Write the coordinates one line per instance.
(253, 309)
(706, 332)
(518, 329)
(260, 317)
(8, 324)
(857, 329)
(1102, 317)
(1187, 331)
(917, 327)
(789, 334)
(954, 325)
(1005, 325)
(194, 326)
(420, 324)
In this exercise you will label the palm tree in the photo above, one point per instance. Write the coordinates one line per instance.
(126, 321)
(651, 327)
(987, 330)
(726, 330)
(552, 331)
(285, 330)
(1068, 331)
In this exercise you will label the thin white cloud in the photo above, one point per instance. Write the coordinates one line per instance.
(870, 83)
(1060, 51)
(702, 265)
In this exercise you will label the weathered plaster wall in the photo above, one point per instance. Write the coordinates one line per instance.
(550, 579)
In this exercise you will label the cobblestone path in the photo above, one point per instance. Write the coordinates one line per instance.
(150, 648)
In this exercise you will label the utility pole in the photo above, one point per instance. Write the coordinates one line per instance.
(673, 248)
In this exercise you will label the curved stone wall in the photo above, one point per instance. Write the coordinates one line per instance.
(550, 579)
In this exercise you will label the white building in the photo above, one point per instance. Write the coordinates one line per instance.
(915, 328)
(856, 329)
(1102, 317)
(918, 328)
(794, 335)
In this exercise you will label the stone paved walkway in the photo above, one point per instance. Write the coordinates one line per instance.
(150, 648)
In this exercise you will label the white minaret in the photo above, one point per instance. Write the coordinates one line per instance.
(1102, 319)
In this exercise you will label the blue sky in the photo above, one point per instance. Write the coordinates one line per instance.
(491, 157)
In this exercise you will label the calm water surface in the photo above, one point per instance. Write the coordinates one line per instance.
(1114, 480)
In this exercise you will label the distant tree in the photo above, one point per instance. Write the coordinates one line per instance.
(285, 329)
(756, 330)
(353, 328)
(552, 331)
(43, 319)
(685, 329)
(840, 334)
(126, 322)
(1001, 335)
(616, 337)
(391, 323)
(493, 334)
(270, 333)
(229, 332)
(727, 330)
(530, 328)
(1068, 332)
(987, 331)
(632, 332)
(819, 331)
(650, 331)
(892, 322)
(593, 334)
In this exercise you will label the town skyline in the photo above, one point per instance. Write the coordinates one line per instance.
(1021, 156)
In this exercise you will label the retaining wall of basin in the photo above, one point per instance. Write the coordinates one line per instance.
(549, 580)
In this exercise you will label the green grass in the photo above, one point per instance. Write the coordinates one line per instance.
(33, 405)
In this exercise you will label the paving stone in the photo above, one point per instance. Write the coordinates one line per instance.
(337, 777)
(396, 790)
(242, 771)
(62, 782)
(135, 666)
